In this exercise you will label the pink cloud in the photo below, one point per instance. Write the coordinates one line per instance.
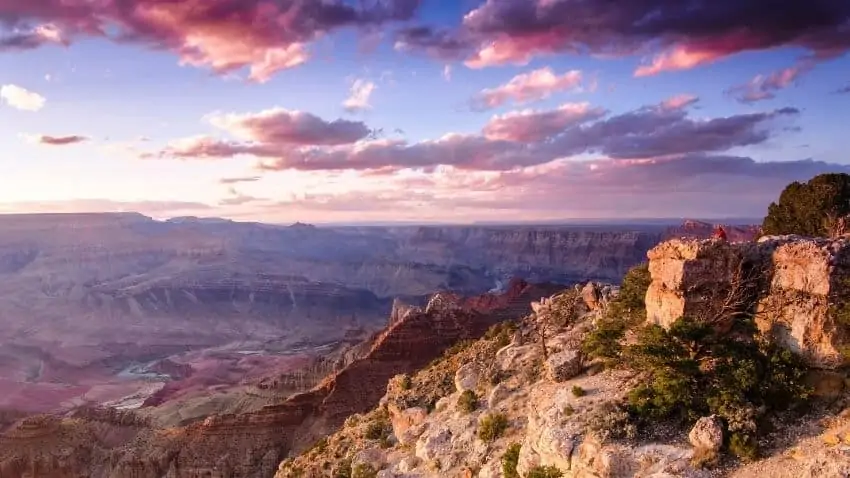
(532, 126)
(764, 87)
(702, 185)
(222, 35)
(679, 102)
(688, 34)
(527, 87)
(507, 142)
(678, 58)
(284, 127)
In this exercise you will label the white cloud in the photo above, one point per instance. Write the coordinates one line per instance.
(358, 98)
(21, 98)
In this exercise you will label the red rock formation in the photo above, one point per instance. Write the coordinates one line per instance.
(691, 229)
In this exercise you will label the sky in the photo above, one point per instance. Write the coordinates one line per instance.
(419, 110)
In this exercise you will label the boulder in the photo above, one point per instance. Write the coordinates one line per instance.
(408, 464)
(466, 377)
(434, 443)
(563, 366)
(374, 457)
(707, 433)
(407, 424)
(592, 296)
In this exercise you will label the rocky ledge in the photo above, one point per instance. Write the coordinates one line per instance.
(801, 286)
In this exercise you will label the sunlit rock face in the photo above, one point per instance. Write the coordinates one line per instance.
(800, 285)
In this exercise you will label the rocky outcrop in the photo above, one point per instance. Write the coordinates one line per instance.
(563, 366)
(807, 305)
(800, 286)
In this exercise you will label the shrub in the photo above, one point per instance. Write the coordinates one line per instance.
(320, 446)
(343, 469)
(568, 410)
(502, 333)
(811, 208)
(492, 426)
(362, 470)
(704, 458)
(578, 391)
(378, 429)
(544, 472)
(610, 420)
(467, 402)
(405, 382)
(509, 461)
(743, 446)
(623, 313)
(694, 371)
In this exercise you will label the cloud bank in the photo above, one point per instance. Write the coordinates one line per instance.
(222, 35)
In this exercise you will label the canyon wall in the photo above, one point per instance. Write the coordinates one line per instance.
(797, 288)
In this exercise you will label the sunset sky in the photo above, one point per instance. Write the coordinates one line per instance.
(431, 110)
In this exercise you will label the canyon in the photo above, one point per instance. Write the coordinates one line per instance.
(122, 309)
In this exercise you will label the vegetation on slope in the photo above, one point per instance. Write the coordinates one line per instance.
(814, 208)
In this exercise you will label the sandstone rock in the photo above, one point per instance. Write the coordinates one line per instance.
(809, 289)
(407, 424)
(511, 357)
(682, 271)
(434, 443)
(466, 377)
(408, 464)
(592, 296)
(374, 457)
(707, 433)
(805, 303)
(563, 366)
(497, 394)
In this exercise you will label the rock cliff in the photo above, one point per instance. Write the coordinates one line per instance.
(486, 410)
(795, 287)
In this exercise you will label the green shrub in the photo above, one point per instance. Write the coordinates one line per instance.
(626, 311)
(743, 446)
(610, 420)
(362, 470)
(544, 472)
(492, 426)
(343, 469)
(509, 461)
(694, 371)
(568, 410)
(810, 208)
(467, 402)
(578, 391)
(405, 382)
(378, 429)
(502, 332)
(320, 446)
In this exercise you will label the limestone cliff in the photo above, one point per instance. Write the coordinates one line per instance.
(799, 286)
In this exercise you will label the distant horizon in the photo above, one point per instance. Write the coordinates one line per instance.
(648, 221)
